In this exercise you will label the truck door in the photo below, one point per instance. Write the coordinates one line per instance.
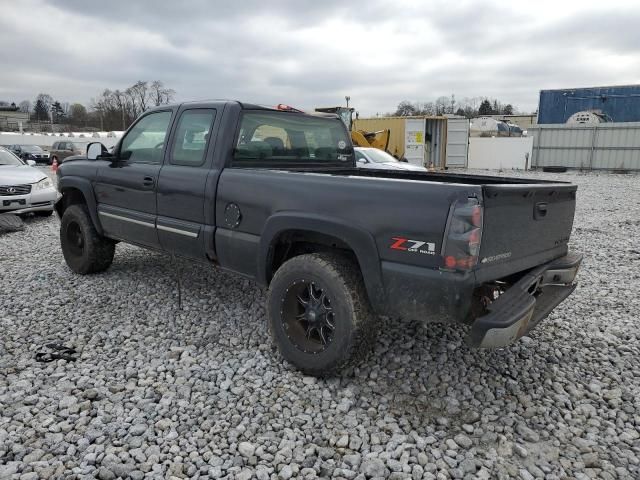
(182, 186)
(126, 188)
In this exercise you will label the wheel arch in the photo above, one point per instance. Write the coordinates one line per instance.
(326, 234)
(76, 190)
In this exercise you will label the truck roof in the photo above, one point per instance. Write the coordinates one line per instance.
(244, 106)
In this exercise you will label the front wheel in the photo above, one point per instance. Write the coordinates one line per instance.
(319, 314)
(84, 249)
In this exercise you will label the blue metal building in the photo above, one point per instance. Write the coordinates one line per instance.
(615, 104)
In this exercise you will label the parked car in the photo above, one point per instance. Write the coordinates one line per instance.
(275, 195)
(61, 150)
(375, 158)
(30, 152)
(24, 189)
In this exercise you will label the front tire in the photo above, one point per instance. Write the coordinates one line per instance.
(319, 314)
(84, 249)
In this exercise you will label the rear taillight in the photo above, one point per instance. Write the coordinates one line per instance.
(463, 236)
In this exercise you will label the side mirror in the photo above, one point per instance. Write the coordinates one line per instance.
(31, 163)
(96, 150)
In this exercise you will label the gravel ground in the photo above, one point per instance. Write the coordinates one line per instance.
(159, 392)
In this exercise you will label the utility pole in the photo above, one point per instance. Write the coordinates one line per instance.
(52, 110)
(347, 98)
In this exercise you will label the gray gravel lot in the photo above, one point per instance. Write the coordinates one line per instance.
(159, 392)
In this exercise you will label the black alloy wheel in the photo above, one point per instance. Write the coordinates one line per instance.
(75, 239)
(308, 317)
(83, 248)
(319, 314)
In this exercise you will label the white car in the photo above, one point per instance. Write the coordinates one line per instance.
(23, 188)
(379, 159)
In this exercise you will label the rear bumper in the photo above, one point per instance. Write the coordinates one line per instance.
(519, 309)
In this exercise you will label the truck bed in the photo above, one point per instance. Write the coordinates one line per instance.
(526, 221)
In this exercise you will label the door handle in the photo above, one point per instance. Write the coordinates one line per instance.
(148, 181)
(540, 210)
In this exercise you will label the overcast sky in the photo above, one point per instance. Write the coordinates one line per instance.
(313, 53)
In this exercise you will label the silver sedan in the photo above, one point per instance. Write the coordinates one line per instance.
(23, 188)
(379, 159)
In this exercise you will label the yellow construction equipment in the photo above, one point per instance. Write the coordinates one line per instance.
(360, 138)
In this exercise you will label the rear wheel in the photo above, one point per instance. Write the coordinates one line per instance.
(84, 249)
(319, 314)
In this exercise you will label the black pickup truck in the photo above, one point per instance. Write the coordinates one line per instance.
(273, 194)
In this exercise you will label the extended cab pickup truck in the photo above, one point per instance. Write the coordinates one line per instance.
(274, 194)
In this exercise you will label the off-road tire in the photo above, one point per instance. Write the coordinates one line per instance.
(354, 318)
(96, 253)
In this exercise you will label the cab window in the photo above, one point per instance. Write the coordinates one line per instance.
(272, 138)
(144, 143)
(192, 137)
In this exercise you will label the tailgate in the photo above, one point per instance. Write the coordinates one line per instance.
(524, 225)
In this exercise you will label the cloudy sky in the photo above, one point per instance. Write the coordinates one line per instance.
(313, 53)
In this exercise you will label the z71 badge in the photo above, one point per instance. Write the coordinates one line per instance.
(413, 246)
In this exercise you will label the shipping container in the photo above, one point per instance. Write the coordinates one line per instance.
(604, 146)
(435, 141)
(612, 104)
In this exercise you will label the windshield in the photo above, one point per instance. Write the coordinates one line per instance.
(7, 158)
(284, 138)
(379, 156)
(31, 148)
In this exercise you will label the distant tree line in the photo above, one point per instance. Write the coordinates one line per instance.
(467, 107)
(117, 109)
(111, 110)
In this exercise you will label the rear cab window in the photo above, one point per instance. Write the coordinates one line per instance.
(287, 139)
(192, 137)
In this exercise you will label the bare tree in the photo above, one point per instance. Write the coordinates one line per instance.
(405, 109)
(442, 105)
(160, 95)
(120, 101)
(117, 109)
(139, 93)
(77, 114)
(25, 106)
(429, 108)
